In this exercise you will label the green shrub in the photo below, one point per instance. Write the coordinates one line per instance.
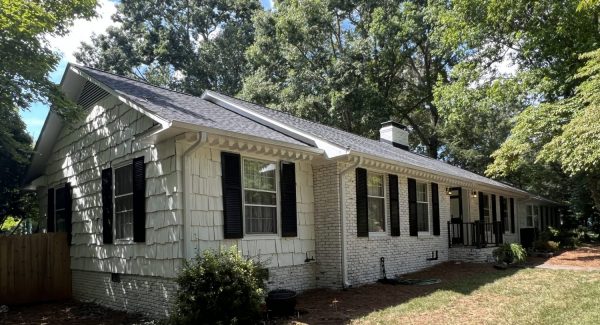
(510, 253)
(219, 288)
(545, 246)
(550, 233)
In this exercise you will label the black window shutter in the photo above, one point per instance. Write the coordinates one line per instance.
(139, 200)
(362, 202)
(107, 206)
(231, 180)
(68, 211)
(412, 207)
(289, 221)
(481, 202)
(435, 206)
(394, 205)
(512, 215)
(494, 212)
(50, 212)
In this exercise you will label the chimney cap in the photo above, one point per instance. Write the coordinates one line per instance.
(393, 123)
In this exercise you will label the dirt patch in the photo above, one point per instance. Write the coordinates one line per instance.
(337, 307)
(587, 256)
(69, 312)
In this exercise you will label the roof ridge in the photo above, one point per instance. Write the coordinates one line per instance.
(134, 80)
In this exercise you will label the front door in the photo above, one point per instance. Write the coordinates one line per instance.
(456, 215)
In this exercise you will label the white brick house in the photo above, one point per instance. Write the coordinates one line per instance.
(150, 177)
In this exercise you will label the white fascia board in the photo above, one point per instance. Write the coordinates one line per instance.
(126, 100)
(475, 184)
(184, 126)
(331, 150)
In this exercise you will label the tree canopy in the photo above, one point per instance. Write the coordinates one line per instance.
(26, 59)
(185, 45)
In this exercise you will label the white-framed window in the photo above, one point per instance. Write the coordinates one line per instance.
(60, 210)
(123, 202)
(532, 214)
(259, 183)
(376, 202)
(422, 208)
(505, 214)
(486, 209)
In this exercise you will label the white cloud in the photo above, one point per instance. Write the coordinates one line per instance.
(82, 30)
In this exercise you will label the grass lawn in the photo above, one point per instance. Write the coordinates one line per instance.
(525, 296)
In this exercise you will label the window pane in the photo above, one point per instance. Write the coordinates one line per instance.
(261, 220)
(375, 185)
(124, 224)
(61, 225)
(124, 203)
(422, 217)
(123, 180)
(422, 192)
(376, 214)
(259, 175)
(59, 198)
(262, 198)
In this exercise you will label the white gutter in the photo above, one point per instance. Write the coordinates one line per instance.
(342, 192)
(505, 188)
(200, 140)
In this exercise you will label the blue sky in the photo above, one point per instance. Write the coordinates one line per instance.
(81, 31)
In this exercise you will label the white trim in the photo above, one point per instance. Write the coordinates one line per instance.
(428, 195)
(331, 150)
(384, 198)
(116, 166)
(277, 198)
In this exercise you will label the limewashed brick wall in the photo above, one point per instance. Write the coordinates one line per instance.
(327, 230)
(140, 294)
(402, 254)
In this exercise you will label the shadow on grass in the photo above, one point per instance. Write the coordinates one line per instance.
(337, 307)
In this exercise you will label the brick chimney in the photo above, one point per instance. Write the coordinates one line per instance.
(395, 134)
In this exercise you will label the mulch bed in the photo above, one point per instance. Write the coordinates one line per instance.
(586, 256)
(324, 306)
(69, 312)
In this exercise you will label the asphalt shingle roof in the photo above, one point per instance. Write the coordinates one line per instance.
(175, 106)
(364, 145)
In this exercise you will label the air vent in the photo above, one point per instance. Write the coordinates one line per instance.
(90, 94)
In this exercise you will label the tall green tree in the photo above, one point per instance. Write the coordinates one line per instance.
(554, 144)
(15, 150)
(478, 114)
(354, 64)
(185, 45)
(26, 57)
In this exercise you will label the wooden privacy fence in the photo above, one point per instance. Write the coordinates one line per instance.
(34, 268)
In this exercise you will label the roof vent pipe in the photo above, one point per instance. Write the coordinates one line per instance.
(395, 134)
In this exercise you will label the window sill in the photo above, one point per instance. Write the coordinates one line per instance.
(124, 242)
(378, 236)
(262, 236)
(424, 235)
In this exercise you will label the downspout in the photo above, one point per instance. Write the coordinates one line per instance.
(200, 140)
(342, 191)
